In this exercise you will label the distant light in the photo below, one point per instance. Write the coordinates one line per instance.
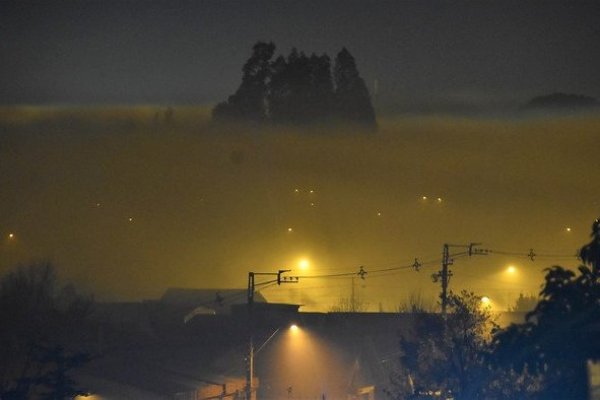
(379, 214)
(568, 229)
(11, 235)
(294, 328)
(424, 197)
(297, 190)
(485, 300)
(439, 199)
(511, 269)
(98, 204)
(290, 229)
(311, 191)
(312, 204)
(303, 263)
(130, 219)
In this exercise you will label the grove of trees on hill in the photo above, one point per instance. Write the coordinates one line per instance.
(298, 89)
(562, 100)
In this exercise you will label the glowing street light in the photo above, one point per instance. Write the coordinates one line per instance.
(11, 235)
(303, 264)
(511, 269)
(485, 300)
(294, 329)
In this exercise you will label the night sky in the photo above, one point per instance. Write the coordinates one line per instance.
(422, 53)
(126, 204)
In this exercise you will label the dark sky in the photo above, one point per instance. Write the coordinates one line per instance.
(436, 52)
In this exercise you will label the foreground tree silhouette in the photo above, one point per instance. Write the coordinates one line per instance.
(38, 321)
(590, 253)
(446, 355)
(562, 332)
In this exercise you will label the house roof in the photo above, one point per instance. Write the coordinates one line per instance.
(218, 300)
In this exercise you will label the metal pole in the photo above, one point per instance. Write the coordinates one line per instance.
(250, 357)
(444, 278)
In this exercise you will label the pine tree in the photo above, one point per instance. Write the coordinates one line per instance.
(298, 90)
(321, 95)
(279, 89)
(352, 99)
(248, 102)
(299, 82)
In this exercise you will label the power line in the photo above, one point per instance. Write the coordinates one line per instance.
(416, 265)
(532, 255)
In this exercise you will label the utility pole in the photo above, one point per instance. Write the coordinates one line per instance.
(250, 322)
(352, 299)
(444, 275)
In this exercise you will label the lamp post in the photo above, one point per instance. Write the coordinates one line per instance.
(250, 324)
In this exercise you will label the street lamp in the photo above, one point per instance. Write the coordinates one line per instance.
(250, 294)
(253, 353)
(303, 264)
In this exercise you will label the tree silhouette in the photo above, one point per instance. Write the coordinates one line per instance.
(351, 94)
(524, 303)
(321, 98)
(447, 355)
(248, 102)
(298, 90)
(590, 253)
(37, 317)
(561, 333)
(290, 88)
(279, 91)
(562, 100)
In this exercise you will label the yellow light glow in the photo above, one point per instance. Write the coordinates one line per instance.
(568, 229)
(511, 269)
(485, 300)
(424, 197)
(290, 229)
(11, 235)
(439, 199)
(130, 219)
(294, 328)
(303, 264)
(297, 190)
(312, 191)
(379, 214)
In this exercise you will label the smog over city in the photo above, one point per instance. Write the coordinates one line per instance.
(135, 156)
